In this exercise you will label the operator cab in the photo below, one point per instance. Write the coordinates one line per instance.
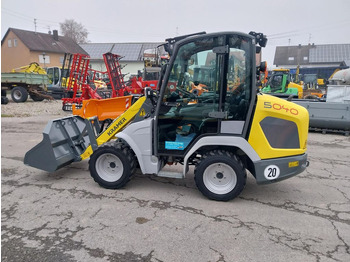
(208, 91)
(278, 81)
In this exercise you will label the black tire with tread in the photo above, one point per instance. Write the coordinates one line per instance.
(4, 100)
(226, 157)
(19, 90)
(36, 98)
(124, 153)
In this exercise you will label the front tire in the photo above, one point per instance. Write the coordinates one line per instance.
(220, 175)
(112, 165)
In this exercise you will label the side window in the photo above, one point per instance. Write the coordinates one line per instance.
(56, 76)
(276, 82)
(238, 91)
(9, 43)
(190, 96)
(238, 85)
(192, 77)
(50, 74)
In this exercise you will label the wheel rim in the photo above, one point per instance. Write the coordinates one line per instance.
(17, 94)
(220, 178)
(109, 167)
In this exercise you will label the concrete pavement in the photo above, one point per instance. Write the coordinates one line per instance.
(66, 216)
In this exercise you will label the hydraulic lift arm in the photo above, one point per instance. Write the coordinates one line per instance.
(117, 125)
(72, 139)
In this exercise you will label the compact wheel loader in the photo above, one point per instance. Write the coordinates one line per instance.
(223, 131)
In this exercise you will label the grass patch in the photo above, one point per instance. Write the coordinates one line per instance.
(17, 115)
(7, 115)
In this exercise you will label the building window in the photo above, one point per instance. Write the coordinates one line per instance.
(44, 59)
(9, 43)
(291, 58)
(61, 60)
(15, 42)
(305, 58)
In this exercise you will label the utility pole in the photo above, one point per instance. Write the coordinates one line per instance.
(35, 24)
(44, 54)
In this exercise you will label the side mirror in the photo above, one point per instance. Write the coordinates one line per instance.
(257, 49)
(260, 38)
(263, 66)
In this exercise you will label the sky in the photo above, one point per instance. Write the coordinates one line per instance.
(115, 21)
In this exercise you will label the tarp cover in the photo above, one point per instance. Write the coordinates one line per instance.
(338, 93)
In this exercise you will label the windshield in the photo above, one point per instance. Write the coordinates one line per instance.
(197, 67)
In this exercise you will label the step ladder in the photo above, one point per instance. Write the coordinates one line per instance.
(167, 171)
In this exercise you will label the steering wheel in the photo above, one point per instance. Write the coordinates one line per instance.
(191, 95)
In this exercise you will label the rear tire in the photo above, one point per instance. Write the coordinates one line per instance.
(4, 100)
(112, 165)
(36, 98)
(19, 94)
(220, 175)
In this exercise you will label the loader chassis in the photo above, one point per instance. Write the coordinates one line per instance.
(207, 113)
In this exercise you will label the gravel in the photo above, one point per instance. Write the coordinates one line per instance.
(31, 108)
(66, 216)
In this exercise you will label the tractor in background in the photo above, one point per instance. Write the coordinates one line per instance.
(30, 80)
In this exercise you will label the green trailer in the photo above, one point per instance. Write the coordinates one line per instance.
(21, 85)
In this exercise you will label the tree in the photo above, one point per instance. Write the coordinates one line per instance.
(74, 30)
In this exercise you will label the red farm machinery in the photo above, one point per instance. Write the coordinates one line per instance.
(82, 86)
(83, 83)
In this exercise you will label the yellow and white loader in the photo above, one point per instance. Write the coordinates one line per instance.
(223, 132)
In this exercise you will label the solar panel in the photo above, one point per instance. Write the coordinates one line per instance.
(129, 51)
(96, 51)
(329, 53)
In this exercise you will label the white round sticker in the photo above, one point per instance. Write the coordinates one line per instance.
(271, 172)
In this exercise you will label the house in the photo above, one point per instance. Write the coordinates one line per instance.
(322, 60)
(22, 47)
(131, 53)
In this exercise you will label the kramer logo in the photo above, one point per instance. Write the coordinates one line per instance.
(116, 126)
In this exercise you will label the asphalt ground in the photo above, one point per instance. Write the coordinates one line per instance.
(66, 216)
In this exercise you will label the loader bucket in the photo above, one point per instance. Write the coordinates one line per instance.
(64, 140)
(109, 108)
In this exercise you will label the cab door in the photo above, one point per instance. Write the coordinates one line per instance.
(199, 94)
(54, 76)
